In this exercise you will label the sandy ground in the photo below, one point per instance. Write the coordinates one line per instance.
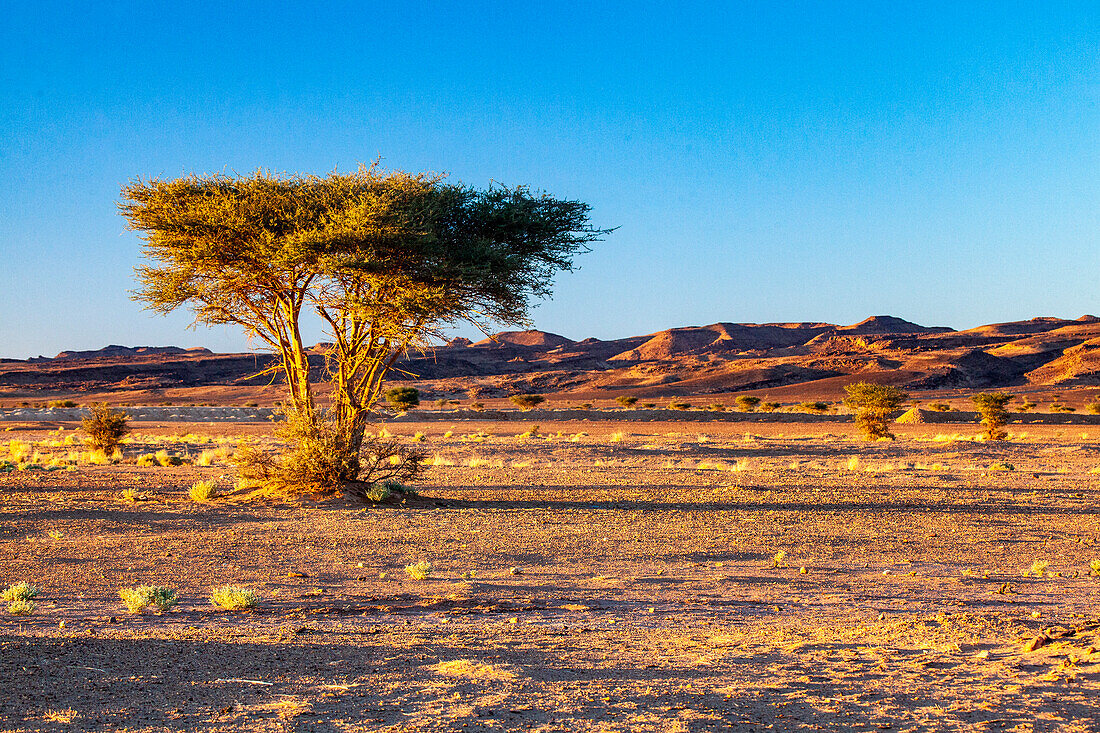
(625, 577)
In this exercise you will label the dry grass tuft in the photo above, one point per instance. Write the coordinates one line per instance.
(471, 670)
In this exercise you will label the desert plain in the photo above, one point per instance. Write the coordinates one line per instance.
(589, 575)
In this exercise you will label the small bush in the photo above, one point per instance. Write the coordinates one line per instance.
(939, 407)
(165, 459)
(1093, 408)
(403, 399)
(873, 404)
(626, 402)
(232, 598)
(527, 401)
(769, 406)
(202, 491)
(141, 597)
(19, 592)
(1094, 568)
(1026, 406)
(813, 408)
(147, 460)
(747, 403)
(419, 571)
(676, 405)
(60, 403)
(105, 427)
(1059, 407)
(991, 405)
(21, 608)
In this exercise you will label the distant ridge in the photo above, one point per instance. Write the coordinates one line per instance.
(810, 358)
(117, 351)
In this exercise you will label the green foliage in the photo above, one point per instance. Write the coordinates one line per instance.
(939, 407)
(814, 408)
(1093, 408)
(420, 570)
(21, 591)
(991, 405)
(403, 399)
(527, 401)
(747, 403)
(873, 404)
(21, 608)
(202, 491)
(141, 597)
(626, 401)
(769, 406)
(104, 426)
(678, 405)
(232, 598)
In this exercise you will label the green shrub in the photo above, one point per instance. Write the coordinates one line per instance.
(21, 608)
(873, 404)
(769, 406)
(1026, 406)
(403, 399)
(60, 403)
(527, 401)
(814, 408)
(420, 570)
(1059, 407)
(626, 402)
(232, 598)
(1093, 408)
(747, 403)
(677, 405)
(105, 427)
(939, 407)
(19, 592)
(991, 405)
(141, 597)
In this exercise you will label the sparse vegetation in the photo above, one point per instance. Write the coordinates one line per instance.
(813, 408)
(419, 570)
(21, 607)
(527, 401)
(678, 405)
(232, 598)
(939, 407)
(991, 405)
(141, 597)
(1093, 408)
(203, 491)
(873, 404)
(626, 401)
(747, 403)
(21, 591)
(104, 427)
(403, 399)
(60, 403)
(769, 406)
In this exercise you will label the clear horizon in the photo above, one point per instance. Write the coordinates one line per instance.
(815, 162)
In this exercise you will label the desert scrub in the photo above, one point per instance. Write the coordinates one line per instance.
(626, 402)
(166, 459)
(232, 598)
(1094, 568)
(679, 405)
(873, 404)
(527, 401)
(991, 405)
(747, 403)
(104, 427)
(420, 570)
(141, 597)
(201, 491)
(21, 608)
(403, 399)
(813, 408)
(19, 592)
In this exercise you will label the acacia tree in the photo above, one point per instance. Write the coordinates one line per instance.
(388, 260)
(873, 404)
(991, 405)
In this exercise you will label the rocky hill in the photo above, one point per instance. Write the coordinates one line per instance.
(722, 357)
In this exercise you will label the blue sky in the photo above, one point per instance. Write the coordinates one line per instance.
(763, 161)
